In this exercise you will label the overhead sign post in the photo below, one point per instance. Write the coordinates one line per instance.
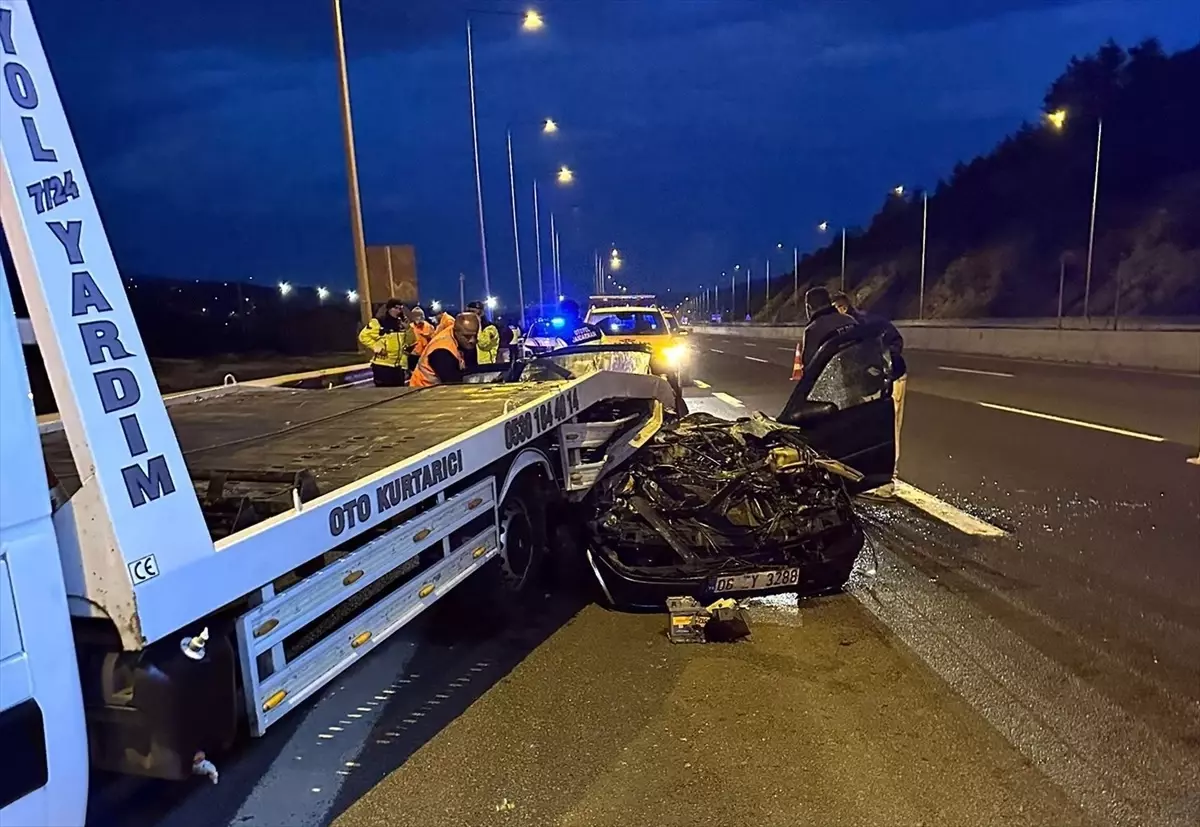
(136, 494)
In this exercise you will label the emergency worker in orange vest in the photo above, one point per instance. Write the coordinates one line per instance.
(449, 353)
(417, 337)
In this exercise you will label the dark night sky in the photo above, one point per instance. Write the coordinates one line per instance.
(702, 132)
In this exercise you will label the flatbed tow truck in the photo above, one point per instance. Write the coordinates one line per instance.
(175, 571)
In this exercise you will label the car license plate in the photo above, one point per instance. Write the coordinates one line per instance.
(757, 581)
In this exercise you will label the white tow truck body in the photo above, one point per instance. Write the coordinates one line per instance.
(222, 555)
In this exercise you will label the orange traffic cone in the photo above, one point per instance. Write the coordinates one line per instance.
(797, 366)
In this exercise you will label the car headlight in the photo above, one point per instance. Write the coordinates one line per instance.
(676, 356)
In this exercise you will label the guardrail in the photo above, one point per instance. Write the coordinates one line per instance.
(1167, 345)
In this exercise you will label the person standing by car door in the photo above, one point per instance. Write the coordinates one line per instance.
(824, 322)
(894, 343)
(384, 338)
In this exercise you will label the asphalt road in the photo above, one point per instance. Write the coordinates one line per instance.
(1050, 676)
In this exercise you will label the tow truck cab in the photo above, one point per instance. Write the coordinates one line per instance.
(41, 709)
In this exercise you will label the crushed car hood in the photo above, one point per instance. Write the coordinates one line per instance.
(708, 496)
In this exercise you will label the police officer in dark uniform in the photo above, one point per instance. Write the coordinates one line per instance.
(575, 331)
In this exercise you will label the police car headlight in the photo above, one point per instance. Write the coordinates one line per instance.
(676, 355)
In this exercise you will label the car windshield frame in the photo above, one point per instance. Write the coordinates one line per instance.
(601, 318)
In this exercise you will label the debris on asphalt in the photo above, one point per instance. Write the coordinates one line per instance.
(687, 620)
(721, 622)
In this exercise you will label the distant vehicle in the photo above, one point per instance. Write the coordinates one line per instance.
(646, 323)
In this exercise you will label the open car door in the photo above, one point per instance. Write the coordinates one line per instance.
(844, 404)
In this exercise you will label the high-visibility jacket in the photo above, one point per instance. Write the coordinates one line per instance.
(444, 321)
(424, 376)
(416, 339)
(387, 347)
(489, 344)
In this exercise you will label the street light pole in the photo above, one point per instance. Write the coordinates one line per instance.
(356, 219)
(553, 256)
(924, 237)
(1087, 280)
(462, 292)
(558, 288)
(537, 240)
(512, 188)
(843, 259)
(767, 300)
(487, 283)
(747, 291)
(796, 274)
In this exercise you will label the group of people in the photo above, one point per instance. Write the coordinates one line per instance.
(408, 349)
(831, 313)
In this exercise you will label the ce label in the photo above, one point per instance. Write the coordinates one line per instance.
(142, 570)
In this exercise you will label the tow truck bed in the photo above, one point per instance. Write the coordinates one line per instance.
(245, 447)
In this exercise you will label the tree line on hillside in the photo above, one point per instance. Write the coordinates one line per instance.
(1006, 226)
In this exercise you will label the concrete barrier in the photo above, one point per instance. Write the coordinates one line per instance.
(1174, 348)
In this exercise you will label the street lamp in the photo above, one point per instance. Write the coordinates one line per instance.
(531, 21)
(549, 126)
(824, 226)
(898, 191)
(322, 293)
(284, 288)
(565, 175)
(356, 219)
(352, 296)
(1058, 120)
(490, 303)
(435, 306)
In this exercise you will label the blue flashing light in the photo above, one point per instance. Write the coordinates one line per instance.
(558, 322)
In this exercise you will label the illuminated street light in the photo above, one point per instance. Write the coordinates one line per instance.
(823, 226)
(352, 296)
(737, 267)
(322, 293)
(284, 288)
(549, 127)
(565, 175)
(562, 297)
(1057, 118)
(779, 246)
(435, 306)
(898, 190)
(1058, 121)
(615, 262)
(490, 303)
(532, 21)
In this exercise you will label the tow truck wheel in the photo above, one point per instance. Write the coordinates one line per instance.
(522, 536)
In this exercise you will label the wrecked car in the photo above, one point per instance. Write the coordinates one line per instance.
(713, 508)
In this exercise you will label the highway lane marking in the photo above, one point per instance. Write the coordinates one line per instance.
(749, 344)
(978, 372)
(701, 385)
(756, 359)
(786, 349)
(948, 514)
(714, 350)
(729, 400)
(1064, 420)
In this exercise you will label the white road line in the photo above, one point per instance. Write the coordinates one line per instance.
(701, 385)
(787, 349)
(756, 359)
(729, 400)
(979, 372)
(1094, 426)
(714, 350)
(948, 514)
(749, 344)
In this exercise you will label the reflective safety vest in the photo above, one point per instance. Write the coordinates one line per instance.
(424, 376)
(386, 347)
(489, 344)
(418, 336)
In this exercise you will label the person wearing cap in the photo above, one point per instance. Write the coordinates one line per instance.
(894, 342)
(417, 337)
(488, 346)
(383, 337)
